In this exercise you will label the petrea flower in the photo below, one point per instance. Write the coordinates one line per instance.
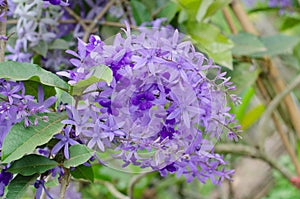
(5, 178)
(160, 101)
(2, 18)
(40, 187)
(284, 5)
(58, 2)
(42, 104)
(65, 141)
(2, 3)
(110, 128)
(16, 106)
(79, 120)
(71, 192)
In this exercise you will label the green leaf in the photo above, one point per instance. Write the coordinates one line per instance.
(31, 88)
(83, 172)
(100, 73)
(31, 164)
(41, 48)
(139, 12)
(18, 71)
(189, 9)
(247, 44)
(59, 44)
(243, 76)
(208, 39)
(183, 16)
(22, 140)
(222, 58)
(64, 97)
(18, 186)
(169, 11)
(216, 6)
(79, 154)
(251, 116)
(290, 22)
(277, 44)
(246, 99)
(203, 9)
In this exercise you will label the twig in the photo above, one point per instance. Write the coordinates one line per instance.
(229, 20)
(243, 17)
(113, 190)
(274, 73)
(240, 149)
(282, 134)
(124, 5)
(134, 180)
(275, 78)
(276, 101)
(116, 24)
(85, 21)
(78, 18)
(3, 31)
(291, 106)
(64, 183)
(90, 28)
(268, 113)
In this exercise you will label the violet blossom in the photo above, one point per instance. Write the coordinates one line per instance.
(160, 100)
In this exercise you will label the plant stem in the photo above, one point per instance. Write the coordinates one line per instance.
(275, 78)
(78, 19)
(64, 183)
(3, 31)
(273, 72)
(113, 190)
(269, 112)
(229, 20)
(90, 28)
(240, 149)
(134, 180)
(243, 18)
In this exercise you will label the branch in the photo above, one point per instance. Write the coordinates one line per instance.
(269, 113)
(240, 149)
(113, 190)
(3, 31)
(229, 20)
(134, 180)
(90, 28)
(116, 24)
(243, 17)
(64, 183)
(85, 22)
(276, 101)
(274, 74)
(78, 18)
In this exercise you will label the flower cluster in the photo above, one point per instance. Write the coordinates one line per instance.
(38, 26)
(164, 108)
(282, 4)
(16, 106)
(5, 178)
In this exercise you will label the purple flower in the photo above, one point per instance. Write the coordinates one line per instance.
(2, 3)
(79, 120)
(160, 101)
(42, 104)
(2, 18)
(111, 129)
(143, 100)
(65, 141)
(15, 106)
(40, 187)
(5, 178)
(71, 192)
